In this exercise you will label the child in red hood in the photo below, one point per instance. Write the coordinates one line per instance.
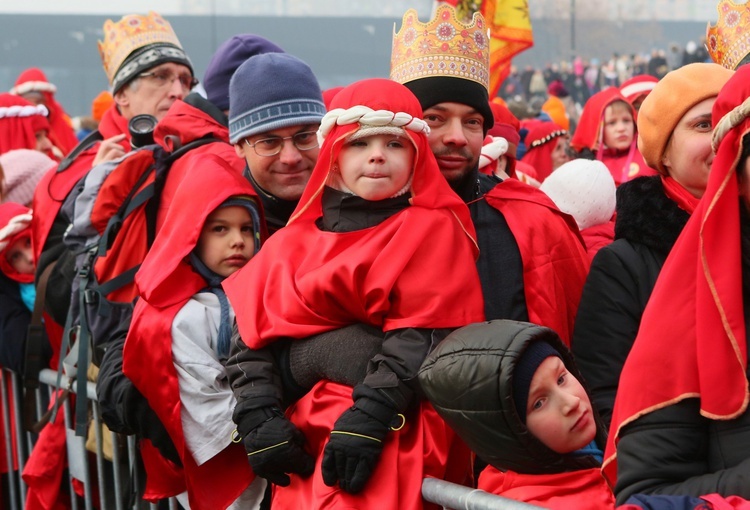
(374, 236)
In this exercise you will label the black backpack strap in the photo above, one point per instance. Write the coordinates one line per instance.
(90, 139)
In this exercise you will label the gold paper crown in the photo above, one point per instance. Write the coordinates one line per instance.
(130, 33)
(444, 46)
(728, 42)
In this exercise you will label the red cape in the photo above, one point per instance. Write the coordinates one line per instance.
(166, 282)
(553, 254)
(583, 489)
(700, 291)
(597, 237)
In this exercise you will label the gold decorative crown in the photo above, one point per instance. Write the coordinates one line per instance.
(444, 46)
(728, 42)
(130, 33)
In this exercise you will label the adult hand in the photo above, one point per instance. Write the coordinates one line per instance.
(110, 149)
(275, 447)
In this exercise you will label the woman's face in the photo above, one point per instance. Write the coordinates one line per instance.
(560, 152)
(619, 127)
(688, 156)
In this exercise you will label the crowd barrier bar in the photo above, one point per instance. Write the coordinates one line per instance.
(458, 497)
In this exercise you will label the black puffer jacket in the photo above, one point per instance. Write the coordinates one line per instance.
(620, 282)
(468, 379)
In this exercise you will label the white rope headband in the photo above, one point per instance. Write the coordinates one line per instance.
(728, 122)
(22, 111)
(367, 116)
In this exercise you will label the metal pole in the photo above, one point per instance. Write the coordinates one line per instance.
(458, 497)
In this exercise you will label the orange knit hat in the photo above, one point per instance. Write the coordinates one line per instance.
(101, 104)
(672, 97)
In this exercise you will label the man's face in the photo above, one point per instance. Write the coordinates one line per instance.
(456, 137)
(283, 175)
(154, 91)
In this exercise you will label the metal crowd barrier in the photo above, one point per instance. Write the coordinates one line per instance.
(105, 482)
(457, 497)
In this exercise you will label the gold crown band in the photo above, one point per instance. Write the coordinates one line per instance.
(444, 46)
(728, 42)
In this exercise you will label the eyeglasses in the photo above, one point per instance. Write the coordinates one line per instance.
(271, 146)
(165, 78)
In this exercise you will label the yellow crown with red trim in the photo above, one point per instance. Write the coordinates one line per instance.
(130, 33)
(728, 42)
(444, 46)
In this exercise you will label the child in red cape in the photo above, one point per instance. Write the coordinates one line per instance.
(606, 132)
(371, 244)
(511, 390)
(179, 337)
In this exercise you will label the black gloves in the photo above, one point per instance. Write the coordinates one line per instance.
(274, 445)
(357, 439)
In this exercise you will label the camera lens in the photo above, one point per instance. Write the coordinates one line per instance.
(141, 129)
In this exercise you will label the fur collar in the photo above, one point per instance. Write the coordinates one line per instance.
(645, 215)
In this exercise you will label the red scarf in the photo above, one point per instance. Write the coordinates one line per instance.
(682, 197)
(700, 291)
(394, 275)
(166, 282)
(584, 489)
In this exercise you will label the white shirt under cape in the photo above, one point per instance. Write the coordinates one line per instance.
(207, 399)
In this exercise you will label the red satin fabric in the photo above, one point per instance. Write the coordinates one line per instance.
(700, 291)
(583, 490)
(166, 281)
(553, 254)
(679, 195)
(425, 447)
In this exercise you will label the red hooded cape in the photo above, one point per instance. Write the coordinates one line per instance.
(60, 132)
(623, 165)
(19, 122)
(541, 140)
(9, 211)
(415, 269)
(553, 254)
(166, 281)
(700, 291)
(582, 489)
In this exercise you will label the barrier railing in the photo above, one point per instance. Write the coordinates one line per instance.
(103, 478)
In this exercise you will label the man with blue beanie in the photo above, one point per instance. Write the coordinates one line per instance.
(275, 109)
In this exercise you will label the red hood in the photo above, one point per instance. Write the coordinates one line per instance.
(188, 123)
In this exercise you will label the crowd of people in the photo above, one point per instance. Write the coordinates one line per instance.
(296, 298)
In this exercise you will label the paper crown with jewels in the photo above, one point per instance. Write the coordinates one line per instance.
(444, 46)
(132, 33)
(728, 42)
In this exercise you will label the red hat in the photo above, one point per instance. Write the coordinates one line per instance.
(19, 122)
(328, 95)
(638, 86)
(506, 124)
(557, 89)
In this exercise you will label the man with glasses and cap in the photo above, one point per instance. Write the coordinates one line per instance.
(274, 129)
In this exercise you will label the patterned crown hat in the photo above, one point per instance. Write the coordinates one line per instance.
(123, 39)
(444, 46)
(728, 42)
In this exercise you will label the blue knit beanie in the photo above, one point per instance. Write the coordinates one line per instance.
(225, 61)
(272, 91)
(524, 372)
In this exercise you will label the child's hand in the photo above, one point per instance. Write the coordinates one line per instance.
(356, 442)
(275, 447)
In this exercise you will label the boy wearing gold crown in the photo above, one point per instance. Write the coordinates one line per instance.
(532, 263)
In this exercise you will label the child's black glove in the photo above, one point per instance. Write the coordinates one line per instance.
(356, 442)
(275, 447)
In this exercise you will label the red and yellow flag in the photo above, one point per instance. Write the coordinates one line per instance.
(510, 32)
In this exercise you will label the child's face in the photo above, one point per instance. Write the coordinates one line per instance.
(619, 127)
(227, 240)
(560, 152)
(558, 411)
(20, 256)
(376, 167)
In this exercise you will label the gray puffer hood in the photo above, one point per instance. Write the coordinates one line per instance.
(467, 378)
